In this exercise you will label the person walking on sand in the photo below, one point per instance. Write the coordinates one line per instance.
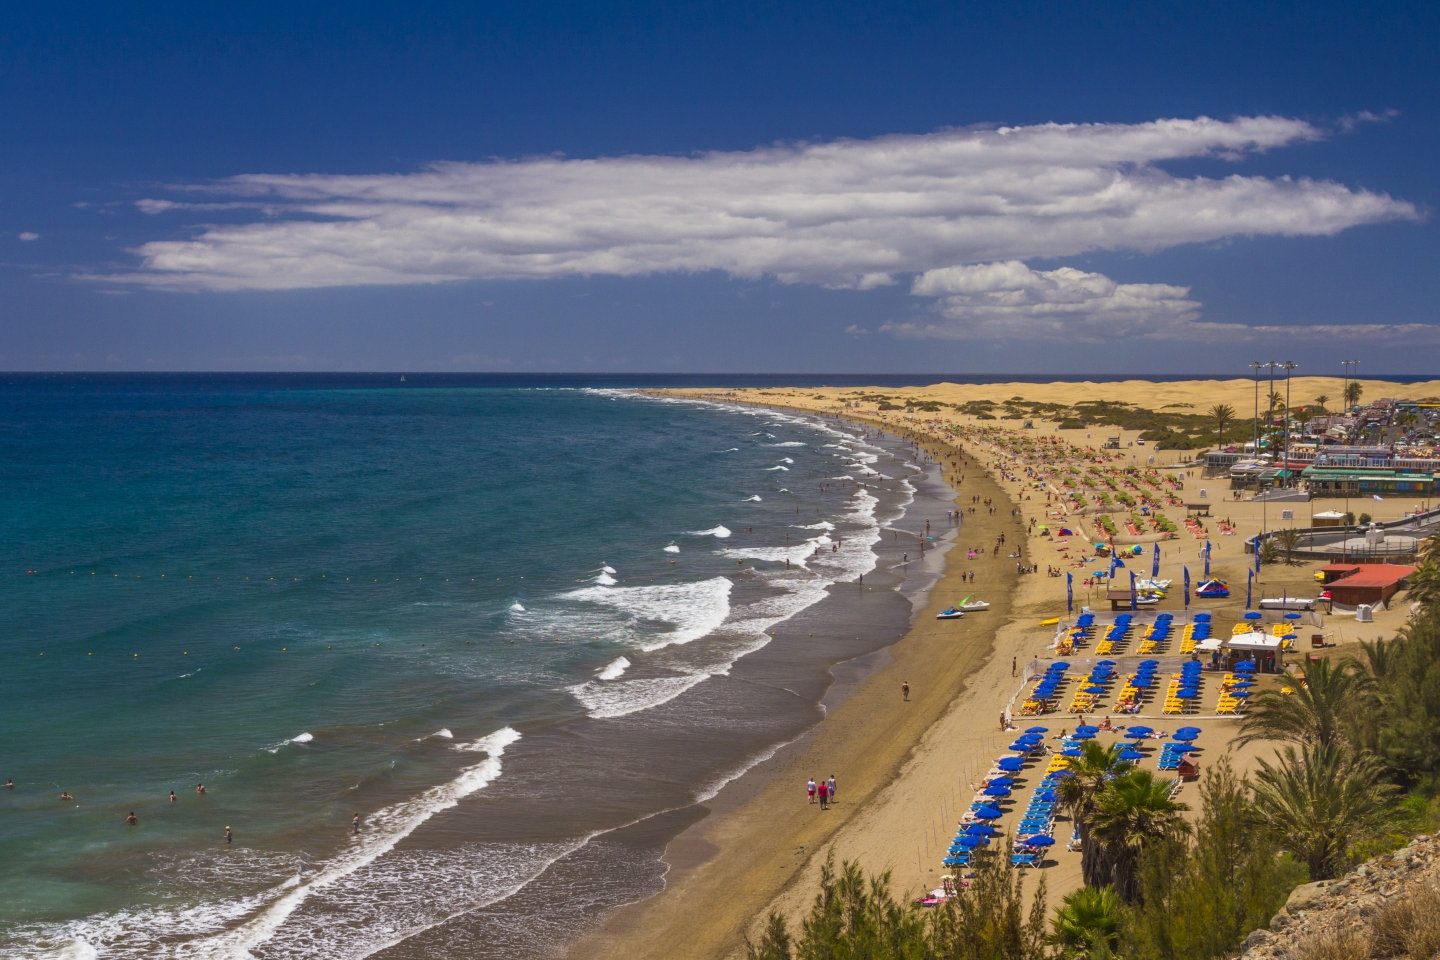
(810, 789)
(905, 689)
(824, 794)
(1014, 665)
(831, 785)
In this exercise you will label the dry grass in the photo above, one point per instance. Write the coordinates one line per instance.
(1332, 945)
(1407, 926)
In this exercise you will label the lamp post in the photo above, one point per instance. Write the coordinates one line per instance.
(1255, 442)
(1289, 365)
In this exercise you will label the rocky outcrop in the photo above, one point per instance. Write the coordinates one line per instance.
(1386, 907)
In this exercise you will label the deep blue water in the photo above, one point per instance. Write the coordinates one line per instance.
(434, 604)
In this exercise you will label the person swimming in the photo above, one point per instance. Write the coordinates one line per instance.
(172, 796)
(65, 795)
(132, 819)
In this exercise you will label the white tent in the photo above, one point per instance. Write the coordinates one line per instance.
(1209, 645)
(1262, 642)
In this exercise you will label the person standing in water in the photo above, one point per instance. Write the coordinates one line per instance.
(355, 824)
(132, 819)
(228, 835)
(172, 796)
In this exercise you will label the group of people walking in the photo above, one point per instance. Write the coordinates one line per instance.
(824, 792)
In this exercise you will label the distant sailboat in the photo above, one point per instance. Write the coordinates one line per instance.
(402, 378)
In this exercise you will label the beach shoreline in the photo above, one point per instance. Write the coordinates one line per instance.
(760, 838)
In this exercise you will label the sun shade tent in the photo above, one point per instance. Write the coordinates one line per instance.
(1255, 641)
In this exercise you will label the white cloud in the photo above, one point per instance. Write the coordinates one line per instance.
(27, 236)
(1010, 301)
(849, 213)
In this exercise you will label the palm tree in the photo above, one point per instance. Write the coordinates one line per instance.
(1425, 584)
(1320, 402)
(1221, 413)
(1084, 780)
(1289, 540)
(1353, 391)
(1321, 711)
(1087, 924)
(1131, 813)
(1320, 801)
(1277, 404)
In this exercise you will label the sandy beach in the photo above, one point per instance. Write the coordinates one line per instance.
(905, 769)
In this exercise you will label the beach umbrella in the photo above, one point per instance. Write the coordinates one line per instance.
(1021, 747)
(1132, 735)
(1045, 795)
(1149, 663)
(1105, 663)
(996, 791)
(1253, 615)
(988, 813)
(1241, 693)
(980, 830)
(1011, 764)
(969, 843)
(1142, 731)
(1072, 752)
(1292, 616)
(1037, 730)
(1187, 733)
(1087, 728)
(1040, 840)
(1130, 753)
(1141, 682)
(1082, 735)
(1242, 684)
(1094, 689)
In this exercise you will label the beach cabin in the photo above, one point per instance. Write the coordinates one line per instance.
(1328, 518)
(1373, 583)
(1188, 769)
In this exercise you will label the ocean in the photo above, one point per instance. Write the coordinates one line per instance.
(524, 627)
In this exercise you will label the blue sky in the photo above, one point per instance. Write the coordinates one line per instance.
(1029, 188)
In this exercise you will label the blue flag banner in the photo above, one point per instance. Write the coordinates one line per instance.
(1155, 564)
(1134, 597)
(1250, 582)
(1069, 593)
(1257, 554)
(1187, 588)
(1207, 559)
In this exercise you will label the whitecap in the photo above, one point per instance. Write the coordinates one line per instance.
(299, 738)
(753, 499)
(608, 569)
(776, 467)
(606, 580)
(672, 549)
(716, 531)
(614, 669)
(786, 460)
(516, 608)
(731, 450)
(693, 610)
(788, 443)
(443, 733)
